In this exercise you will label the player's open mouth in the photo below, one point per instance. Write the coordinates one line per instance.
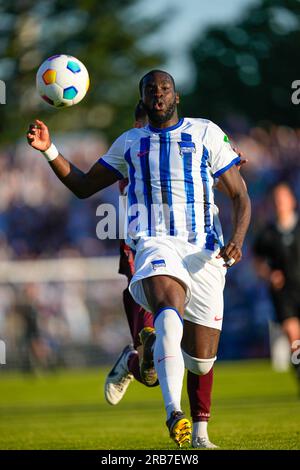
(158, 106)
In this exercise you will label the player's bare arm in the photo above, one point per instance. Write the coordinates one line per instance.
(81, 184)
(237, 191)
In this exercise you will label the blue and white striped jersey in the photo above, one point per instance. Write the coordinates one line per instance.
(171, 175)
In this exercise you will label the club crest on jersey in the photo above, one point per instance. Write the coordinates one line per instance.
(159, 263)
(186, 147)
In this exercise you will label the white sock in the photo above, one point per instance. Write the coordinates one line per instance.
(168, 359)
(200, 429)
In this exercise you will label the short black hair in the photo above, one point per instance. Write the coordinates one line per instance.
(151, 73)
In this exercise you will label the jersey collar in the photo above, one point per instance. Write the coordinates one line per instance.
(166, 129)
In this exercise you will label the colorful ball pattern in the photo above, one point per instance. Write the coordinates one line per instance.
(62, 80)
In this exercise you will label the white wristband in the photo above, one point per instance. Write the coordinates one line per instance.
(51, 153)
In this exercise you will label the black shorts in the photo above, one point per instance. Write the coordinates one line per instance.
(286, 302)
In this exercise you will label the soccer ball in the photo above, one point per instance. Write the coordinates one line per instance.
(62, 80)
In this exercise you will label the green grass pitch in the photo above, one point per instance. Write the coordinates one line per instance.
(253, 408)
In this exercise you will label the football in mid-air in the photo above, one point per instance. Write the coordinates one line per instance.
(62, 80)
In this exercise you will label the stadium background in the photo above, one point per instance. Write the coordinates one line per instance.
(235, 65)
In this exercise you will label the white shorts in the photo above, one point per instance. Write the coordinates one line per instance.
(198, 269)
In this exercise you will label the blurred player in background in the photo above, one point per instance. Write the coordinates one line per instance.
(180, 260)
(277, 251)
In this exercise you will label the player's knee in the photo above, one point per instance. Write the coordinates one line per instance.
(198, 366)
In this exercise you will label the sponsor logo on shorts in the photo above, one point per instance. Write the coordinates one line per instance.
(218, 318)
(159, 263)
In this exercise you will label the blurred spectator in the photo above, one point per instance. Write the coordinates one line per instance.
(277, 250)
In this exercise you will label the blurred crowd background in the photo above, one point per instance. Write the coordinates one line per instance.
(240, 77)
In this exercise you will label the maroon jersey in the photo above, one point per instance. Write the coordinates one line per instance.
(126, 264)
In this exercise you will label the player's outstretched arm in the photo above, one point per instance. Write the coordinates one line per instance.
(237, 191)
(81, 184)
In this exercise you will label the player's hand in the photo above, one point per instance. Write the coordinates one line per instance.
(38, 136)
(231, 253)
(277, 279)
